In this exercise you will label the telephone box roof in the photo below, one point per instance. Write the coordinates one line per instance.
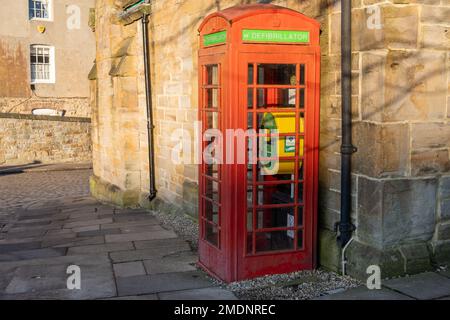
(239, 12)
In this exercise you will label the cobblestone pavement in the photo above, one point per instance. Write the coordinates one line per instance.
(25, 190)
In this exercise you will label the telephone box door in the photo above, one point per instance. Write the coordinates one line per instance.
(212, 204)
(277, 107)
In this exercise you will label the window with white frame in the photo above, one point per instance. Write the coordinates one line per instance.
(42, 60)
(40, 9)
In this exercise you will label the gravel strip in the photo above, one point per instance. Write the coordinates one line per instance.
(183, 225)
(302, 285)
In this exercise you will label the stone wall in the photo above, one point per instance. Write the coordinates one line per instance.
(400, 190)
(73, 107)
(25, 139)
(402, 131)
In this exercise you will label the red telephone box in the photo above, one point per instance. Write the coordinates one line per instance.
(259, 81)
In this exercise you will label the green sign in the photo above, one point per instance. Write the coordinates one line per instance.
(289, 144)
(215, 38)
(275, 36)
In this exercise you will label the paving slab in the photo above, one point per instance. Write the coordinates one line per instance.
(33, 254)
(85, 229)
(37, 278)
(98, 233)
(115, 225)
(129, 269)
(423, 286)
(213, 293)
(362, 293)
(183, 245)
(11, 247)
(167, 282)
(25, 234)
(86, 223)
(147, 297)
(98, 287)
(100, 248)
(180, 262)
(132, 217)
(139, 229)
(149, 235)
(144, 254)
(65, 243)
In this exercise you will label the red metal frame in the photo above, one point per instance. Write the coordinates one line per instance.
(231, 259)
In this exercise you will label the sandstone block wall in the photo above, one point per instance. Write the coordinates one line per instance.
(25, 139)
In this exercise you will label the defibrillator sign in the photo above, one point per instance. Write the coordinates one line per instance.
(289, 145)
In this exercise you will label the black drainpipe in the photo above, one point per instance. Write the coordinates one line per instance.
(148, 94)
(346, 227)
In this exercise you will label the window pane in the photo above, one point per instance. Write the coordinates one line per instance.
(276, 98)
(302, 74)
(212, 74)
(250, 73)
(276, 218)
(276, 194)
(212, 120)
(250, 98)
(279, 74)
(300, 240)
(300, 217)
(212, 234)
(302, 98)
(212, 96)
(211, 212)
(273, 241)
(212, 190)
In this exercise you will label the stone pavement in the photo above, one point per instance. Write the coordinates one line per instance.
(425, 286)
(122, 253)
(33, 188)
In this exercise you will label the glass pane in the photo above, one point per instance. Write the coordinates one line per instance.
(284, 122)
(212, 190)
(276, 98)
(300, 240)
(212, 234)
(250, 98)
(212, 170)
(302, 98)
(275, 171)
(212, 75)
(278, 74)
(211, 212)
(300, 217)
(276, 194)
(276, 218)
(250, 220)
(273, 241)
(250, 73)
(249, 197)
(300, 193)
(250, 120)
(302, 122)
(212, 120)
(212, 98)
(249, 242)
(302, 74)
